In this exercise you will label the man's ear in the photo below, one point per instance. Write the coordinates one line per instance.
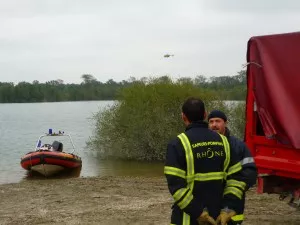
(184, 118)
(205, 115)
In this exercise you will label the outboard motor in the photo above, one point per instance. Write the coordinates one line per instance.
(57, 146)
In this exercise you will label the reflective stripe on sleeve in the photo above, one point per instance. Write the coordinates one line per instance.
(186, 200)
(233, 190)
(236, 183)
(247, 160)
(235, 168)
(179, 194)
(174, 171)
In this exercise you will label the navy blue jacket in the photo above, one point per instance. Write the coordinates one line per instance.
(249, 170)
(209, 156)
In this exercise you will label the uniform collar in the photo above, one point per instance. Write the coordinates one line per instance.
(227, 132)
(197, 124)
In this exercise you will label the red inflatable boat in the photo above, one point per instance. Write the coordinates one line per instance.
(50, 159)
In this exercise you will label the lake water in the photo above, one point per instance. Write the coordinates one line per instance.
(22, 123)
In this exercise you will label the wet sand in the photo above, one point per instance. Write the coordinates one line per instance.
(115, 200)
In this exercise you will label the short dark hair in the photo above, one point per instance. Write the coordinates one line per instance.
(194, 109)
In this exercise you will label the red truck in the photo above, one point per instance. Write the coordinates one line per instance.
(272, 129)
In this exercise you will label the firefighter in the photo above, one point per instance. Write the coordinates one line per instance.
(217, 121)
(202, 172)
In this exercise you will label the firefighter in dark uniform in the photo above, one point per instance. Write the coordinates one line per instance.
(217, 121)
(202, 172)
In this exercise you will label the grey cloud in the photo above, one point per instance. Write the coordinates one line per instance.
(61, 39)
(254, 6)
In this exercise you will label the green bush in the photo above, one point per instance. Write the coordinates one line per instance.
(237, 116)
(148, 114)
(145, 117)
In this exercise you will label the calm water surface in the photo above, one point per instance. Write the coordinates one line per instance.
(22, 124)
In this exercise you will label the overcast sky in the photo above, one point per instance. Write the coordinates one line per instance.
(62, 39)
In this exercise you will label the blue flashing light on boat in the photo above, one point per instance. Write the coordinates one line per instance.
(39, 143)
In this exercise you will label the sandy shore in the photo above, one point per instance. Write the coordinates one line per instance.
(114, 200)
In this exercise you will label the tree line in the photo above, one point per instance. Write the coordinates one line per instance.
(227, 87)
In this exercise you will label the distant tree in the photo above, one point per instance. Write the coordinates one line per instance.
(132, 79)
(88, 78)
(111, 82)
(163, 79)
(53, 82)
(185, 80)
(60, 81)
(144, 79)
(227, 87)
(200, 79)
(242, 76)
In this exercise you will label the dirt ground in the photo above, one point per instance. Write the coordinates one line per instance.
(114, 200)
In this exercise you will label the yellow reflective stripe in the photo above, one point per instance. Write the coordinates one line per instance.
(238, 217)
(186, 219)
(189, 176)
(233, 190)
(179, 193)
(197, 176)
(174, 171)
(236, 183)
(190, 179)
(188, 153)
(189, 159)
(235, 168)
(227, 151)
(209, 176)
(186, 200)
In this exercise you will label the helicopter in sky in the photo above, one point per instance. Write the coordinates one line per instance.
(168, 55)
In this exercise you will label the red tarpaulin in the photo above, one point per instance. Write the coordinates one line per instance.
(275, 69)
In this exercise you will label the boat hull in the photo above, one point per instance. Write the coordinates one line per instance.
(49, 163)
(47, 169)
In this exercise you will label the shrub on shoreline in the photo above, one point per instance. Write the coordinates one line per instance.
(145, 117)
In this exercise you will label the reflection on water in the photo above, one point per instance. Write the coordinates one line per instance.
(108, 168)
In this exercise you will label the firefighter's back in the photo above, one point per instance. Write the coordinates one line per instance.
(209, 157)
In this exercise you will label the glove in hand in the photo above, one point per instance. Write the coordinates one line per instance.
(206, 219)
(225, 216)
